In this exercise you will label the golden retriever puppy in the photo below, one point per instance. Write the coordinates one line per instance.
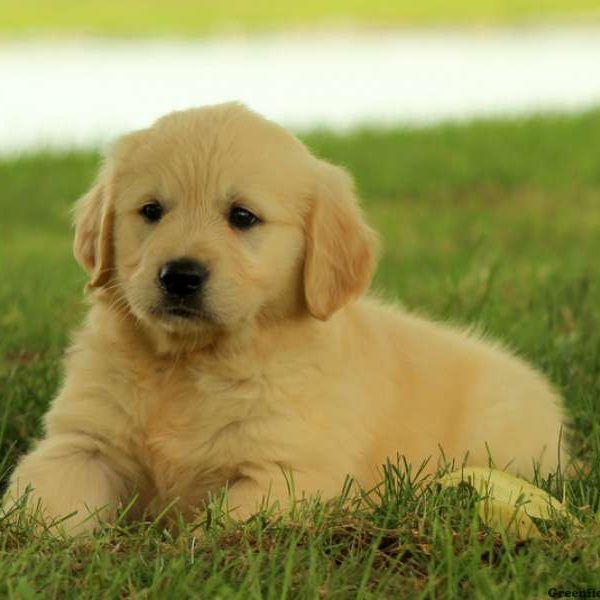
(229, 343)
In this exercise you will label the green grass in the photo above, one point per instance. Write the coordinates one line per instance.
(191, 17)
(493, 222)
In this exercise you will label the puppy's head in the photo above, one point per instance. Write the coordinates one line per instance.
(215, 218)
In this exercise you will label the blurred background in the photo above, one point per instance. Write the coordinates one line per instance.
(75, 73)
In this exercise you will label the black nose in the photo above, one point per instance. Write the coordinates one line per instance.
(182, 277)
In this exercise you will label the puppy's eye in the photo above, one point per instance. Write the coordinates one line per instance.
(152, 211)
(242, 218)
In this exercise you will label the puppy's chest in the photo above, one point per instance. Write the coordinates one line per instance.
(195, 430)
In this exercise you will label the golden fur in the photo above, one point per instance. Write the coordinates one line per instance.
(292, 370)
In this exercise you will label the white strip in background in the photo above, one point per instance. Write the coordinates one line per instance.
(83, 93)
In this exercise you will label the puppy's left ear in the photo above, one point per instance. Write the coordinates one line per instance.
(341, 249)
(93, 244)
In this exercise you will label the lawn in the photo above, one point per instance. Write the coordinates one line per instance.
(192, 17)
(495, 223)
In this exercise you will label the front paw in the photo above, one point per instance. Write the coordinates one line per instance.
(62, 487)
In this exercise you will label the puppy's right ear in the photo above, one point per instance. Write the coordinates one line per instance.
(93, 244)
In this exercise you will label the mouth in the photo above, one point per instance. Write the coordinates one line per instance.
(181, 312)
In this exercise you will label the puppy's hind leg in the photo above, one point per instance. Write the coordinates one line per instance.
(66, 481)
